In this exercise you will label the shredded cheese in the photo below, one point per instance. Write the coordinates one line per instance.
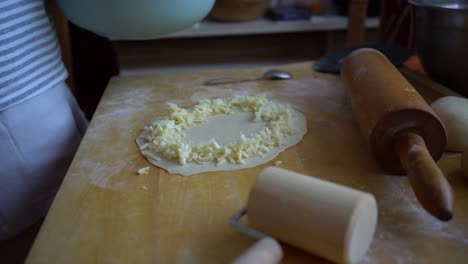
(165, 137)
(144, 170)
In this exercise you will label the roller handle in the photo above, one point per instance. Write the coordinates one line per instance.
(266, 251)
(427, 180)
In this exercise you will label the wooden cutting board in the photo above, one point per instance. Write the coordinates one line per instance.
(106, 213)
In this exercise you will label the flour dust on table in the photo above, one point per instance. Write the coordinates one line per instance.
(221, 134)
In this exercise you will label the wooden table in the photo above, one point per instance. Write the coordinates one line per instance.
(105, 212)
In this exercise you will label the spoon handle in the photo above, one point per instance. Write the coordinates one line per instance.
(216, 81)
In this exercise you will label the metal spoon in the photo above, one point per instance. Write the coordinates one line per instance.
(268, 75)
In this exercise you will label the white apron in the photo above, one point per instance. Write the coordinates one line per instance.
(38, 139)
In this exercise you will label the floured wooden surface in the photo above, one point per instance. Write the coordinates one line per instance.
(106, 213)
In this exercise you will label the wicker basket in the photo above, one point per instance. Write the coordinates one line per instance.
(239, 10)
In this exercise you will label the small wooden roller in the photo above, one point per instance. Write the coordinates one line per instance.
(403, 132)
(330, 220)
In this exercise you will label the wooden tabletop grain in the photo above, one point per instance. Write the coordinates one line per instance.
(105, 212)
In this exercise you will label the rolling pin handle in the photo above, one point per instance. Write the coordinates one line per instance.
(266, 251)
(428, 181)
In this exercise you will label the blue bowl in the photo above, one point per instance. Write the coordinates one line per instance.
(134, 20)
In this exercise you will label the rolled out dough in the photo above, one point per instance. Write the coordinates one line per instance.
(453, 111)
(226, 128)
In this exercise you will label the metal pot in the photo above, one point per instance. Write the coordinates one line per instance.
(442, 41)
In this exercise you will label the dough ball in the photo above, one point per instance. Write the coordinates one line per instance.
(453, 111)
(464, 163)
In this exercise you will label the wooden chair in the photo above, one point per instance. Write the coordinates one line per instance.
(355, 34)
(396, 23)
(62, 27)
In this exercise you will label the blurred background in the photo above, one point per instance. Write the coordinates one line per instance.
(236, 33)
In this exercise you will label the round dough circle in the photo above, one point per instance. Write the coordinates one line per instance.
(453, 111)
(238, 122)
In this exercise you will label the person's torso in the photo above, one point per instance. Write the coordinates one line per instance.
(30, 60)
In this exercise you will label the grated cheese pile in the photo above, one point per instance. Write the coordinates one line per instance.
(165, 137)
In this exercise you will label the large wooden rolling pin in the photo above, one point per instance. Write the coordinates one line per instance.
(403, 132)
